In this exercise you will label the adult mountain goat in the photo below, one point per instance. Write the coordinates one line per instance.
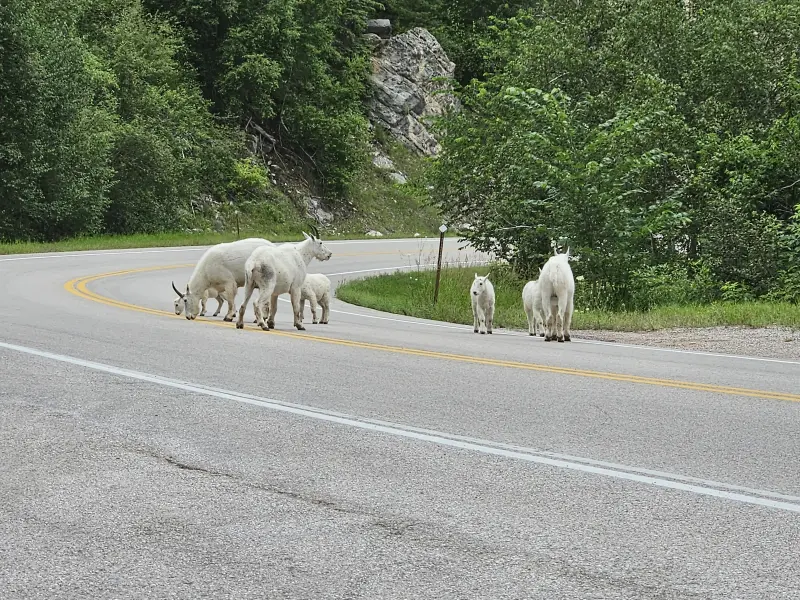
(557, 289)
(222, 268)
(532, 303)
(482, 294)
(276, 270)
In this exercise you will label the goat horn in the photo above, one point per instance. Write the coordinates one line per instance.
(176, 290)
(314, 230)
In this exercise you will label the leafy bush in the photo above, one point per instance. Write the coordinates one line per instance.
(649, 137)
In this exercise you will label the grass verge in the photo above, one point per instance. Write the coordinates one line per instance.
(411, 293)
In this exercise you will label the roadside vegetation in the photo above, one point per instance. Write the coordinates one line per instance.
(149, 117)
(411, 294)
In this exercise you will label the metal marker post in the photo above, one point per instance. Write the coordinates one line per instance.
(442, 230)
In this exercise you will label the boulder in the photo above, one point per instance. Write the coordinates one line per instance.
(317, 211)
(406, 94)
(380, 27)
(398, 177)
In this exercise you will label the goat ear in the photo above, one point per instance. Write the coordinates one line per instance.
(555, 251)
(567, 251)
(540, 270)
(487, 276)
(476, 275)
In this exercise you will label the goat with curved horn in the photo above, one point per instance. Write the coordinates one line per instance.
(176, 290)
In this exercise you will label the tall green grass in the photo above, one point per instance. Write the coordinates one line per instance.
(412, 294)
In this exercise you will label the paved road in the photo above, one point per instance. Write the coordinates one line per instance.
(145, 456)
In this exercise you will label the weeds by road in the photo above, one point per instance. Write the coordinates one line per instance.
(411, 293)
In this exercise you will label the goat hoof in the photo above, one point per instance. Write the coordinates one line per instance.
(547, 338)
(541, 335)
(476, 331)
(489, 332)
(567, 338)
(483, 332)
(315, 322)
(561, 339)
(228, 319)
(300, 328)
(240, 326)
(271, 325)
(264, 327)
(533, 334)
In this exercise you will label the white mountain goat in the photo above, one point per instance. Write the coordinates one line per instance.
(482, 295)
(317, 290)
(532, 303)
(222, 268)
(276, 270)
(209, 293)
(557, 290)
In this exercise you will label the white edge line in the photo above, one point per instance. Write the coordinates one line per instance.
(442, 439)
(600, 463)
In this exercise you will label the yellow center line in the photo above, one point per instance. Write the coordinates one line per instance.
(79, 287)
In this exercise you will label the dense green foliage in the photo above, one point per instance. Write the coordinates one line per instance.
(298, 67)
(659, 142)
(126, 116)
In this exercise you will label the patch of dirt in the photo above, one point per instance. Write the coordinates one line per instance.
(769, 342)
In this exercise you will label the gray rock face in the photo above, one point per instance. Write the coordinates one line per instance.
(380, 27)
(317, 212)
(405, 98)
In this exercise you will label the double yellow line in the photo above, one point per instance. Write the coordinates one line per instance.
(79, 287)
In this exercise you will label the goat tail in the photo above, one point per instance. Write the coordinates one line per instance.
(559, 278)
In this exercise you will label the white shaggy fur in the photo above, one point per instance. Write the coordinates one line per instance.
(532, 303)
(276, 270)
(482, 295)
(209, 293)
(317, 290)
(222, 268)
(557, 290)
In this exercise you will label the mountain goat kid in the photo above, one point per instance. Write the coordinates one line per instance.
(482, 295)
(317, 290)
(532, 303)
(222, 268)
(276, 270)
(557, 289)
(209, 293)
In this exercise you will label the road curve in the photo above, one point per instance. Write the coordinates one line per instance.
(379, 456)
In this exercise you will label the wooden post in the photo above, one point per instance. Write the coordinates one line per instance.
(442, 231)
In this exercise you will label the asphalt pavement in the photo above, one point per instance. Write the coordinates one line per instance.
(379, 456)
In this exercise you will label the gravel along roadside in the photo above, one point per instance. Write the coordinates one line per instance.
(767, 342)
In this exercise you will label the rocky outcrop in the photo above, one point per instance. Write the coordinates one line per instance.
(406, 94)
(380, 27)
